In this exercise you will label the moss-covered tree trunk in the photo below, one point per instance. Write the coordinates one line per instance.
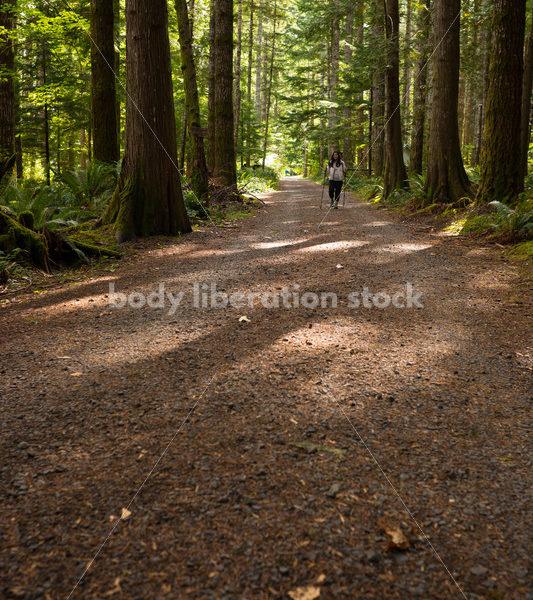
(103, 87)
(395, 173)
(148, 199)
(7, 86)
(500, 163)
(225, 166)
(199, 178)
(446, 180)
(420, 85)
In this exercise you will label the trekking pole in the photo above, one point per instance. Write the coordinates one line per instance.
(344, 193)
(323, 187)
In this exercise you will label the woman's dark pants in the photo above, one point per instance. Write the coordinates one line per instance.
(335, 188)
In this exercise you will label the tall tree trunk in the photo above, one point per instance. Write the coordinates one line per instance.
(58, 148)
(395, 173)
(527, 85)
(461, 108)
(103, 89)
(334, 79)
(258, 67)
(483, 84)
(148, 199)
(83, 148)
(269, 93)
(198, 169)
(249, 88)
(211, 125)
(447, 180)
(501, 162)
(117, 20)
(225, 166)
(407, 67)
(470, 91)
(348, 143)
(323, 147)
(46, 118)
(7, 86)
(421, 81)
(378, 86)
(360, 113)
(238, 93)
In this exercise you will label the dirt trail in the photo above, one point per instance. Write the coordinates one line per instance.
(305, 426)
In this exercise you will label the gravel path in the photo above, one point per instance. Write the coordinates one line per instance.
(257, 452)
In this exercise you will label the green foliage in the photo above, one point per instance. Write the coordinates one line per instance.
(80, 196)
(522, 251)
(503, 221)
(9, 263)
(256, 181)
(194, 207)
(92, 187)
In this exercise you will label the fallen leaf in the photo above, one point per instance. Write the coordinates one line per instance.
(116, 589)
(125, 514)
(321, 578)
(309, 592)
(76, 374)
(397, 539)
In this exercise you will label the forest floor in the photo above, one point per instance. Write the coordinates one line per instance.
(256, 452)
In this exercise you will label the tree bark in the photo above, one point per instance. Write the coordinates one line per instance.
(421, 81)
(446, 180)
(395, 173)
(225, 166)
(103, 87)
(117, 20)
(333, 143)
(7, 85)
(148, 199)
(348, 142)
(238, 94)
(501, 162)
(407, 67)
(469, 129)
(249, 88)
(269, 92)
(199, 179)
(258, 67)
(378, 96)
(482, 84)
(211, 125)
(527, 85)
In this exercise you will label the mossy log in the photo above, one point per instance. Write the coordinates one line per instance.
(14, 235)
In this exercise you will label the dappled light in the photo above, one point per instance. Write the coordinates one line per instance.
(265, 299)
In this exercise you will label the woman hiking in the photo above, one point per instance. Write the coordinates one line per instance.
(335, 171)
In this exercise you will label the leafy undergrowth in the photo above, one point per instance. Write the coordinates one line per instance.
(496, 221)
(257, 181)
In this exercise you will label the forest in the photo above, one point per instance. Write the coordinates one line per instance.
(429, 103)
(265, 299)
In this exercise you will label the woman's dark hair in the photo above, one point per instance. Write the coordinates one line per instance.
(332, 160)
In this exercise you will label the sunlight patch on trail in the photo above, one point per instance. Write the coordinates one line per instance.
(333, 246)
(404, 248)
(277, 244)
